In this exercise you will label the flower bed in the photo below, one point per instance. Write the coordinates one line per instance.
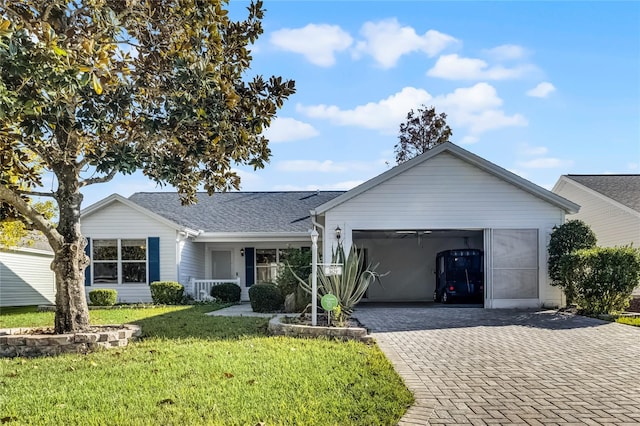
(34, 342)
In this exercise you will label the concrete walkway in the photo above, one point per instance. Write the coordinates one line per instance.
(470, 366)
(240, 310)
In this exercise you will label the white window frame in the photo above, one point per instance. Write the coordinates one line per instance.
(119, 261)
(273, 266)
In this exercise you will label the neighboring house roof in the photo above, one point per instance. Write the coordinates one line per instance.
(246, 212)
(456, 151)
(625, 189)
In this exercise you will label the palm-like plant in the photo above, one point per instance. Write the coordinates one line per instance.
(348, 287)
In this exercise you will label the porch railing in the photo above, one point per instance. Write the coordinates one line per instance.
(200, 290)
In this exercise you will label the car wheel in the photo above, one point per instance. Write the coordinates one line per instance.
(445, 297)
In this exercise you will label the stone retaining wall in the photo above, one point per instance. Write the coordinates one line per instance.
(20, 342)
(277, 327)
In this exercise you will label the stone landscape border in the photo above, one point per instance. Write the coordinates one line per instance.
(279, 328)
(26, 342)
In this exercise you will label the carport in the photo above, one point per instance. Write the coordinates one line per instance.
(449, 198)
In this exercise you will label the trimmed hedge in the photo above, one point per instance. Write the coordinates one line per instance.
(265, 297)
(167, 292)
(226, 292)
(103, 297)
(603, 277)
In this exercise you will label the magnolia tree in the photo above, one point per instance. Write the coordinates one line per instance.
(92, 88)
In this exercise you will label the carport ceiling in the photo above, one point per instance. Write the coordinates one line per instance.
(412, 233)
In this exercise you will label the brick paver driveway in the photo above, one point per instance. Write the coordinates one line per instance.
(476, 366)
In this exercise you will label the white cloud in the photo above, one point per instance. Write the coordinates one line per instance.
(479, 97)
(286, 129)
(454, 67)
(632, 166)
(337, 186)
(489, 120)
(469, 140)
(326, 166)
(475, 109)
(386, 41)
(318, 43)
(506, 52)
(545, 163)
(534, 150)
(385, 115)
(542, 90)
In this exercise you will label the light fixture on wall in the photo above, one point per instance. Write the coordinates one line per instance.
(338, 233)
(242, 252)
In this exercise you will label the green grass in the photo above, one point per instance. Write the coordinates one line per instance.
(629, 321)
(194, 369)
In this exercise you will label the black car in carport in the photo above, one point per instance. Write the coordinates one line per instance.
(459, 276)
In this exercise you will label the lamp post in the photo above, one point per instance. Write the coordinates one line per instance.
(314, 277)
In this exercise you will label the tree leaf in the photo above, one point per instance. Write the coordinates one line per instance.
(97, 87)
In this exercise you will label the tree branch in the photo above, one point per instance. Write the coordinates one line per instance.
(38, 221)
(37, 193)
(100, 179)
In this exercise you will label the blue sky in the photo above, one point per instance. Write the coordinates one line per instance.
(541, 88)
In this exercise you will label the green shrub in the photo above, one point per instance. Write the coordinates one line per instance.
(603, 277)
(265, 297)
(226, 292)
(565, 239)
(167, 292)
(296, 262)
(103, 297)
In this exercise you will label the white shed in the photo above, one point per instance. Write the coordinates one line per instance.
(450, 199)
(26, 277)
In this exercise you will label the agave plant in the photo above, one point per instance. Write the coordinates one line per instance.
(348, 287)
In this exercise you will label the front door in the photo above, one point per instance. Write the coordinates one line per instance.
(221, 265)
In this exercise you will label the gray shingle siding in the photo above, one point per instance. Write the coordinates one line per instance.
(238, 211)
(624, 189)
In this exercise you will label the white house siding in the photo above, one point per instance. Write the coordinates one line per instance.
(445, 192)
(191, 262)
(120, 221)
(26, 277)
(410, 265)
(614, 225)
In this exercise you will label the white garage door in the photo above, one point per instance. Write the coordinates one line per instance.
(513, 265)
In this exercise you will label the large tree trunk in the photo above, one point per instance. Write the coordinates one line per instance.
(70, 261)
(72, 313)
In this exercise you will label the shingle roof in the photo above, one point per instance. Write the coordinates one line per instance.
(624, 189)
(238, 211)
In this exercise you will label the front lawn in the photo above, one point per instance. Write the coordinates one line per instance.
(194, 369)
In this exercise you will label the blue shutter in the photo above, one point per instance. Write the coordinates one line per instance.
(250, 266)
(153, 250)
(87, 270)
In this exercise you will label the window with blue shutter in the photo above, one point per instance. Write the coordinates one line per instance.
(153, 247)
(249, 265)
(87, 270)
